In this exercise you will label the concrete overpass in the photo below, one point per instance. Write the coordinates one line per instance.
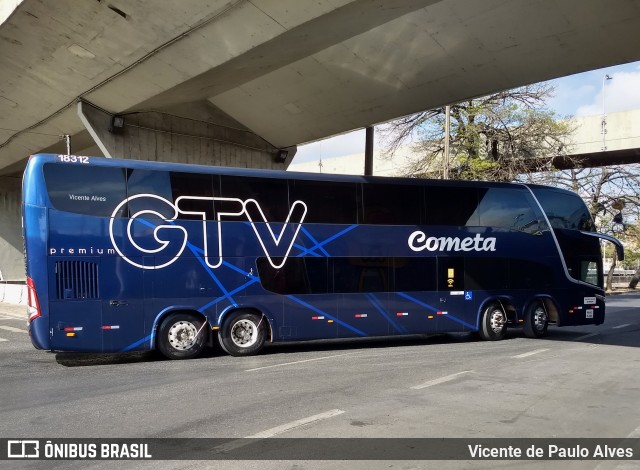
(234, 82)
(583, 149)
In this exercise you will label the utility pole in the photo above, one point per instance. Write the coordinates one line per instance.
(604, 115)
(447, 125)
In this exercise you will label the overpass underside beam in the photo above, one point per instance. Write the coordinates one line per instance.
(585, 160)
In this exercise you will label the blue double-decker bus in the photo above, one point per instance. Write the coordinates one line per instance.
(128, 255)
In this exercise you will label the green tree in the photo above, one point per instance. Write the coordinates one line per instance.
(495, 137)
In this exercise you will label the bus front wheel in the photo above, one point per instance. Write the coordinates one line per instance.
(243, 334)
(180, 336)
(536, 320)
(493, 325)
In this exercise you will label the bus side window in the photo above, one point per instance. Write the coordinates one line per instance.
(508, 209)
(271, 194)
(149, 182)
(387, 204)
(297, 276)
(327, 203)
(451, 206)
(196, 185)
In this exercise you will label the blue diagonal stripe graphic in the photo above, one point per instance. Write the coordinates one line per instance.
(376, 303)
(331, 317)
(449, 316)
(328, 240)
(313, 240)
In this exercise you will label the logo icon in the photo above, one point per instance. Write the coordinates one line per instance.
(23, 449)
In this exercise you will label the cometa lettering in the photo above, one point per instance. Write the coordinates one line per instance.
(418, 241)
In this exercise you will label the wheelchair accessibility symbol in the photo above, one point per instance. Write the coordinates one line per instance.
(468, 295)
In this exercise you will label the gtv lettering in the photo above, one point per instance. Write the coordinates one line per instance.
(213, 256)
(418, 241)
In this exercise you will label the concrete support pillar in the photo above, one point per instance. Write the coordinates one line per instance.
(368, 151)
(11, 245)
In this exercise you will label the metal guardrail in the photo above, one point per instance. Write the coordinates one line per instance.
(13, 293)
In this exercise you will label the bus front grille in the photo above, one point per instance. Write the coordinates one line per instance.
(77, 280)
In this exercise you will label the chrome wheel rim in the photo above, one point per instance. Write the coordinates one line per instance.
(497, 321)
(182, 335)
(244, 333)
(539, 318)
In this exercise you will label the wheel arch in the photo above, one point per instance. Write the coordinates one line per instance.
(549, 304)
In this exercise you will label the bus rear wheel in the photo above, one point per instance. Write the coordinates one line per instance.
(243, 333)
(180, 336)
(536, 320)
(493, 325)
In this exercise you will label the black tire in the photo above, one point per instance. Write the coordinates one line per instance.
(536, 320)
(243, 333)
(181, 336)
(493, 324)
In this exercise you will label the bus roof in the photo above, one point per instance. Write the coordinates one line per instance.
(41, 159)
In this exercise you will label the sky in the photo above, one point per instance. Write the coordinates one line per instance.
(575, 95)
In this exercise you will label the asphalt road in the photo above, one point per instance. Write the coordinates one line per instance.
(577, 382)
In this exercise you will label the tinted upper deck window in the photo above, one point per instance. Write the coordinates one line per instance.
(564, 210)
(85, 189)
(507, 208)
(452, 206)
(271, 194)
(327, 202)
(388, 204)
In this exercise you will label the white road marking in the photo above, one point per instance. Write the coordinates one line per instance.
(296, 362)
(530, 353)
(441, 380)
(621, 326)
(2, 339)
(635, 434)
(277, 430)
(295, 424)
(11, 328)
(585, 336)
(14, 316)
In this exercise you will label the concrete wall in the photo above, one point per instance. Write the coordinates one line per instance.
(11, 246)
(192, 133)
(351, 165)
